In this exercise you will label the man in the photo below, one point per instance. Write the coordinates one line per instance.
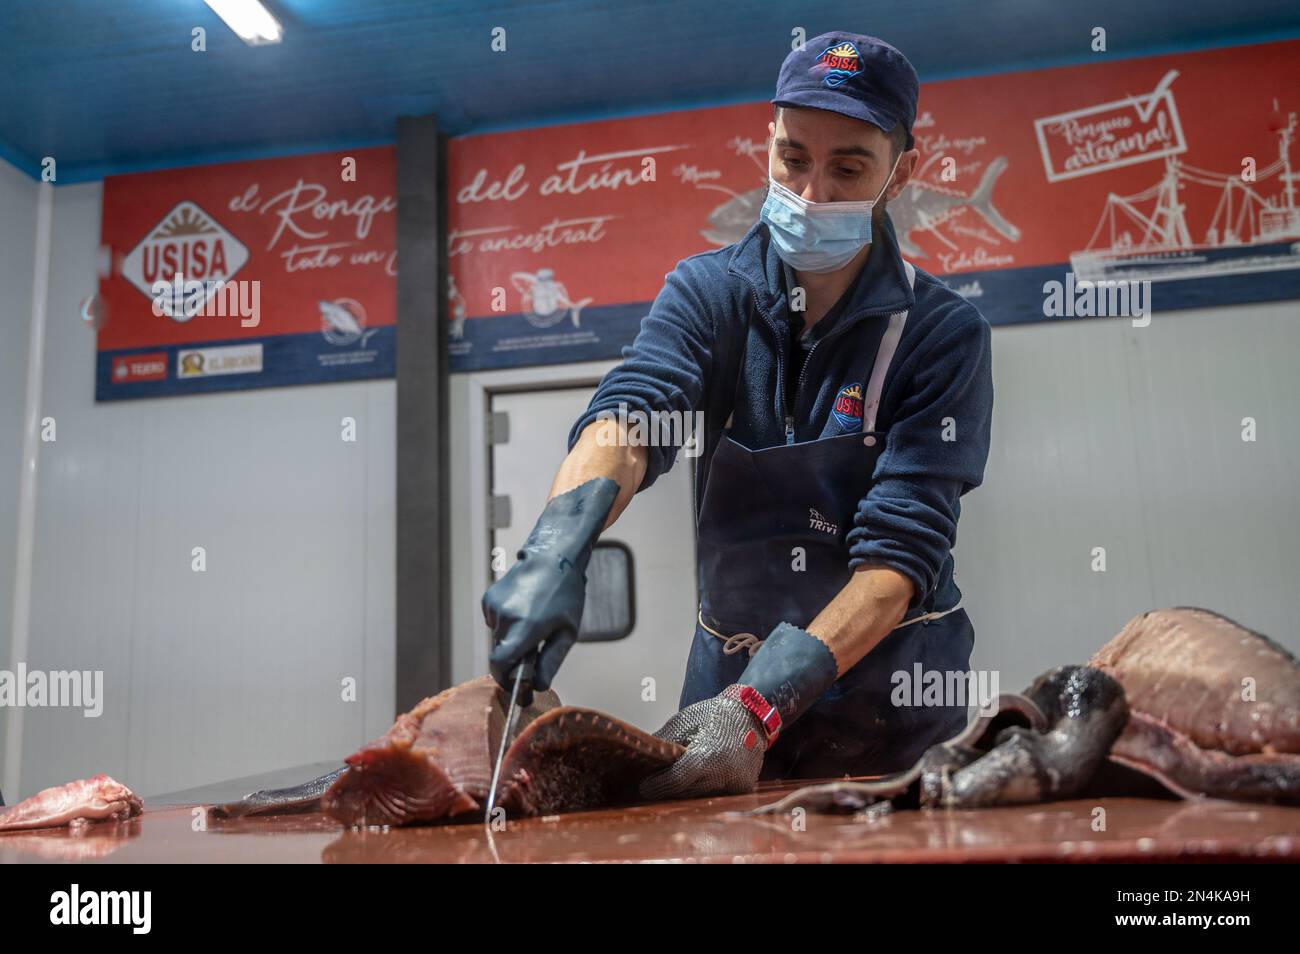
(847, 400)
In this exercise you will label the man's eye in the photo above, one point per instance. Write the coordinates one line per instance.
(792, 161)
(847, 173)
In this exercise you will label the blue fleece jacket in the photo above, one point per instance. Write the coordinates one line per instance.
(936, 406)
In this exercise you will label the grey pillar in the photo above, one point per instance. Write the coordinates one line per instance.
(423, 583)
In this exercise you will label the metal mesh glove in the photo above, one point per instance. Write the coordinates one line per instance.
(725, 746)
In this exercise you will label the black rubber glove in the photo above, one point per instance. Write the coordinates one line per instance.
(791, 670)
(537, 605)
(727, 736)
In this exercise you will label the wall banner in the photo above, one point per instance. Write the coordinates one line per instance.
(249, 274)
(1175, 179)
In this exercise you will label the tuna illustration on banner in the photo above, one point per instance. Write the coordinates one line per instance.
(183, 261)
(343, 322)
(923, 206)
(545, 300)
(1146, 236)
(457, 302)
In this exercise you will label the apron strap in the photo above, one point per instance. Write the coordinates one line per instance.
(884, 357)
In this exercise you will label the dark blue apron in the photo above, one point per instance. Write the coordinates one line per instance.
(759, 506)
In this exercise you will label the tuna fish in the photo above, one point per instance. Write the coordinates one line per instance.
(435, 764)
(1183, 702)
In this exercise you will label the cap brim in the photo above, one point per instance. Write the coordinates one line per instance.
(819, 98)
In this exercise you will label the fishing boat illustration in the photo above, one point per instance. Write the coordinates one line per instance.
(1249, 232)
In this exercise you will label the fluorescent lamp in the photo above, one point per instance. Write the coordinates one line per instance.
(251, 21)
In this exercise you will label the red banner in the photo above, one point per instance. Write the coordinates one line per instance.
(1174, 170)
(249, 274)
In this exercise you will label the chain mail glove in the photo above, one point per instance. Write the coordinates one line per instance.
(725, 744)
(727, 736)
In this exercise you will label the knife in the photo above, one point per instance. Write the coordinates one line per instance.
(523, 673)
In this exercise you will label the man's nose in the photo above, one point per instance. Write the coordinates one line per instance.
(815, 190)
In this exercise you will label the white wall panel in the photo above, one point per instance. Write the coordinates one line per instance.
(17, 231)
(235, 670)
(1130, 439)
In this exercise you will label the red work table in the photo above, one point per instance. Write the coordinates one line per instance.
(704, 830)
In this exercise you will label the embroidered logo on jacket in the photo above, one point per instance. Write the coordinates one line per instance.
(817, 522)
(848, 407)
(840, 62)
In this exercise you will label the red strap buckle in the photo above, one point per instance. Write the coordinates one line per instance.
(767, 715)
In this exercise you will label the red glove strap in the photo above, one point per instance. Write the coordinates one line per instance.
(763, 710)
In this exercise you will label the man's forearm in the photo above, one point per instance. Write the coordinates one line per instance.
(603, 450)
(863, 613)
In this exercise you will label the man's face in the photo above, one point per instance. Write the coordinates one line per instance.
(827, 157)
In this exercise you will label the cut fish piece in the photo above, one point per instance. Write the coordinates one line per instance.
(435, 763)
(1214, 708)
(86, 800)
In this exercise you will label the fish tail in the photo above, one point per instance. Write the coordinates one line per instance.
(981, 200)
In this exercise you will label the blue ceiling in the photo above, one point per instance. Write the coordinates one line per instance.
(108, 86)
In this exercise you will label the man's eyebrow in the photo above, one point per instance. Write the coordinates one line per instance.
(783, 143)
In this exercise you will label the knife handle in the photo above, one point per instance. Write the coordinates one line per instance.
(524, 673)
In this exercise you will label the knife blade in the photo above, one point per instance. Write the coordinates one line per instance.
(523, 673)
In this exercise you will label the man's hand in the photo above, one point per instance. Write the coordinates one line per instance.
(727, 736)
(725, 744)
(537, 605)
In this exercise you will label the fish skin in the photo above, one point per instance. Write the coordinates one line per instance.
(98, 798)
(279, 801)
(572, 759)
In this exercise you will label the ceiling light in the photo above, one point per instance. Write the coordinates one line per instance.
(249, 19)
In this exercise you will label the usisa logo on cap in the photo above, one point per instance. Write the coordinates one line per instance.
(840, 62)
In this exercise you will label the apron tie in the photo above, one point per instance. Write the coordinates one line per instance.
(734, 643)
(737, 641)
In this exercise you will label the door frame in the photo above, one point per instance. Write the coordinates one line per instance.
(482, 387)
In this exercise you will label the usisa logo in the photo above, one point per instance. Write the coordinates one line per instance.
(190, 243)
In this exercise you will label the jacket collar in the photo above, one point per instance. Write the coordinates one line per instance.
(881, 286)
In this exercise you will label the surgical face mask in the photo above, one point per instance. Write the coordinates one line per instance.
(818, 236)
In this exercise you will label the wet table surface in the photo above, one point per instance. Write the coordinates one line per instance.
(1126, 829)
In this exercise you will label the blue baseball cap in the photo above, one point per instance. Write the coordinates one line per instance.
(857, 76)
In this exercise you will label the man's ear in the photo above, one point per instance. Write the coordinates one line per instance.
(903, 174)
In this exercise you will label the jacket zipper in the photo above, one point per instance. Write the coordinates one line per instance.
(798, 388)
(780, 366)
(780, 375)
